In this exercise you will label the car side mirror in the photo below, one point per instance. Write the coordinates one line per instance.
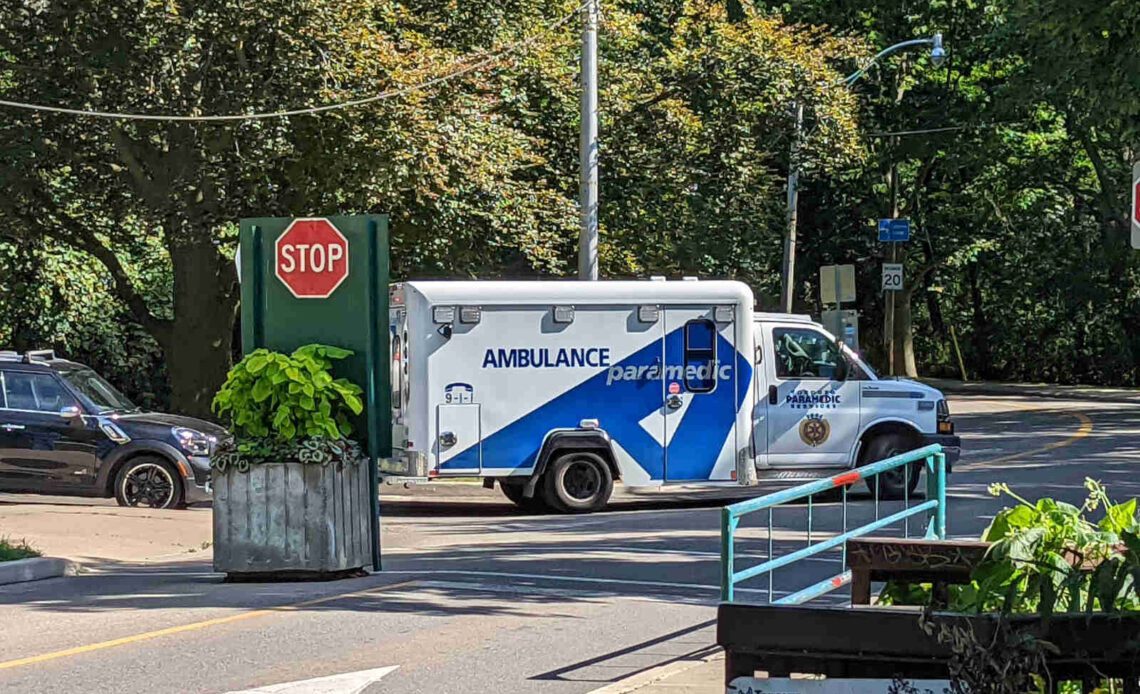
(841, 365)
(70, 412)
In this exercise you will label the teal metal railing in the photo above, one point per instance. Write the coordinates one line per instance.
(934, 506)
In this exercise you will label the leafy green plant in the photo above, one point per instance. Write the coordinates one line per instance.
(269, 395)
(241, 455)
(11, 550)
(1049, 556)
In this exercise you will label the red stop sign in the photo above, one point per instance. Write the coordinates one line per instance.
(1136, 203)
(311, 258)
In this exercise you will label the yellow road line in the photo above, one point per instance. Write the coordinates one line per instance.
(1084, 430)
(193, 626)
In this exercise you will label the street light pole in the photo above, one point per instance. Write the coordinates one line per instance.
(787, 287)
(588, 153)
(788, 268)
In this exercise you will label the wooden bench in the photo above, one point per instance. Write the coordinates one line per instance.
(938, 562)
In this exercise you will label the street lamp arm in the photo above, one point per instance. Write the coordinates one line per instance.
(788, 271)
(937, 54)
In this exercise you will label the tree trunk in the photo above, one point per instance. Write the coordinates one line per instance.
(904, 336)
(980, 333)
(197, 344)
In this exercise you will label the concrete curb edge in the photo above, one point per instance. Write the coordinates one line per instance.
(36, 569)
(654, 675)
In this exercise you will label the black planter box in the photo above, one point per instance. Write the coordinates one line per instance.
(885, 643)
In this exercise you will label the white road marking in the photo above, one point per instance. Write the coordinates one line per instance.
(570, 579)
(102, 573)
(348, 683)
(532, 590)
(553, 548)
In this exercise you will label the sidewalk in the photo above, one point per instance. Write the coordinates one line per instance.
(689, 676)
(1036, 390)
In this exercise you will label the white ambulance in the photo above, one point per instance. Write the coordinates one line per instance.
(556, 390)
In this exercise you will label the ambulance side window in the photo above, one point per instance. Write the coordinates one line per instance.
(803, 353)
(700, 356)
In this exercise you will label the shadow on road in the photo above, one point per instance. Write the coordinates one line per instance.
(475, 557)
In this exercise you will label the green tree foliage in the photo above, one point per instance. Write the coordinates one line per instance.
(52, 296)
(1017, 187)
(698, 131)
(439, 161)
(478, 173)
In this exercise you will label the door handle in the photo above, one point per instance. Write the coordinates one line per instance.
(12, 427)
(773, 395)
(674, 402)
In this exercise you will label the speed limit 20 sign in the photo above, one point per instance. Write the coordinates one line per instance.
(892, 277)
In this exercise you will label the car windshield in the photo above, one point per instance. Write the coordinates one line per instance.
(101, 393)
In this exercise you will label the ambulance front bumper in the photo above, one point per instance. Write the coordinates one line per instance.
(951, 446)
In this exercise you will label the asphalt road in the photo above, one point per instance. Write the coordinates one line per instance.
(476, 598)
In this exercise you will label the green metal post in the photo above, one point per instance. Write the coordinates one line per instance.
(253, 303)
(931, 493)
(940, 463)
(375, 406)
(727, 554)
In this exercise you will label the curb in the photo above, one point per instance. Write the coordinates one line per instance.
(1036, 390)
(36, 569)
(656, 675)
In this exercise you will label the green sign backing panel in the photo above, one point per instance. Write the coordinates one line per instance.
(303, 282)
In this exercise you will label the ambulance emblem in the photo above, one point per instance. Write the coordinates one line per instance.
(814, 430)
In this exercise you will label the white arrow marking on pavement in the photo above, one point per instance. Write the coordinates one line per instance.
(348, 683)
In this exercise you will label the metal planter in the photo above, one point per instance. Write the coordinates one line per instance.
(291, 520)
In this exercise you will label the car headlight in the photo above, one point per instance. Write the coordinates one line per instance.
(193, 442)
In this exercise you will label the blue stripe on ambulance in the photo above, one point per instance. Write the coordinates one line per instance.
(619, 407)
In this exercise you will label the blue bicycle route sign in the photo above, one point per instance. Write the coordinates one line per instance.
(894, 230)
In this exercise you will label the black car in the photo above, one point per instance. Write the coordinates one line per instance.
(66, 430)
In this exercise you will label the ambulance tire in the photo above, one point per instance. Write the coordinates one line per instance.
(891, 483)
(514, 492)
(578, 482)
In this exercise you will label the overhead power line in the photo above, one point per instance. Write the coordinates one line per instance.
(953, 128)
(390, 94)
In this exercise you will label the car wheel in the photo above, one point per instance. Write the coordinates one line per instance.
(148, 481)
(897, 483)
(578, 482)
(514, 491)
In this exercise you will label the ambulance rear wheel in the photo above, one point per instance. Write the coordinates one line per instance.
(893, 482)
(578, 482)
(514, 492)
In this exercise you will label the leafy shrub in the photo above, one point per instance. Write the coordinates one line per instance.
(289, 397)
(241, 455)
(1049, 556)
(11, 551)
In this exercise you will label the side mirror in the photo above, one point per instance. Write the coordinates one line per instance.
(841, 365)
(70, 412)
